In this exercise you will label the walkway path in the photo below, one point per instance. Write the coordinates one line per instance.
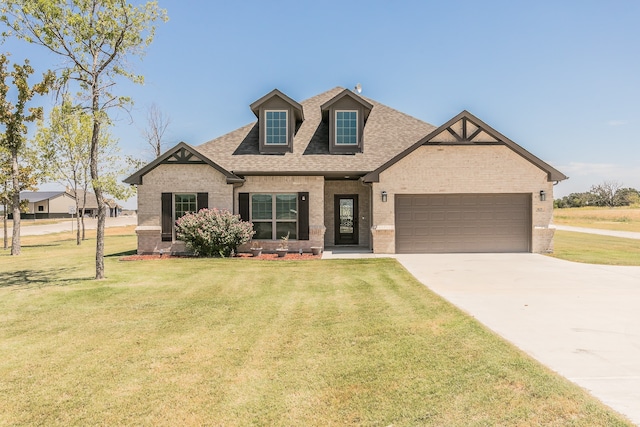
(614, 233)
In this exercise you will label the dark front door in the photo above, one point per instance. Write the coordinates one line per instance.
(346, 219)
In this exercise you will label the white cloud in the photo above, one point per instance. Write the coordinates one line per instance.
(617, 122)
(583, 175)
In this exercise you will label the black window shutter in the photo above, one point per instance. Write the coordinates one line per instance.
(243, 206)
(167, 217)
(303, 216)
(202, 201)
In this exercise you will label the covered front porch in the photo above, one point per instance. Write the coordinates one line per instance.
(347, 214)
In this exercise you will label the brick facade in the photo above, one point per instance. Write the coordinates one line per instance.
(396, 154)
(178, 178)
(314, 185)
(462, 169)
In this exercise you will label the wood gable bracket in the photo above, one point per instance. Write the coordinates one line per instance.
(465, 131)
(183, 156)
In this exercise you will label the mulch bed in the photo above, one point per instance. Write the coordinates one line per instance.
(293, 256)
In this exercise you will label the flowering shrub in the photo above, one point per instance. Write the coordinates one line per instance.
(213, 232)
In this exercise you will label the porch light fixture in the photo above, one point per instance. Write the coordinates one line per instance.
(384, 196)
(543, 195)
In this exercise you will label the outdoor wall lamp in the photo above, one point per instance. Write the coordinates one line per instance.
(543, 195)
(384, 196)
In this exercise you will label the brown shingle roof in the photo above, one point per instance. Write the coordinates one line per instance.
(386, 133)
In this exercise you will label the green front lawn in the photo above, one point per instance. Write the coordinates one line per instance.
(596, 249)
(245, 342)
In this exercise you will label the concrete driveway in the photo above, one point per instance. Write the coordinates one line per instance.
(581, 320)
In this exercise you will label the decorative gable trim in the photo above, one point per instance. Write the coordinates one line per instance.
(182, 154)
(466, 129)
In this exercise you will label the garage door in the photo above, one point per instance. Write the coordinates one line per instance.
(449, 223)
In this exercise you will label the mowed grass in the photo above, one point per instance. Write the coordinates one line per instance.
(620, 218)
(596, 249)
(243, 342)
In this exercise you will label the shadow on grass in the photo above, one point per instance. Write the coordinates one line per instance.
(38, 278)
(39, 246)
(123, 253)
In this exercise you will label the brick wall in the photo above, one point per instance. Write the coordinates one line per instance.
(462, 169)
(291, 184)
(178, 178)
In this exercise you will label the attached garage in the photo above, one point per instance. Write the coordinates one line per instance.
(458, 223)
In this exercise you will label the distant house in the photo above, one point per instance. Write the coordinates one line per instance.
(59, 204)
(341, 169)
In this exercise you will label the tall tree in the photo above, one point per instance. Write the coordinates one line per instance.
(95, 38)
(63, 150)
(157, 124)
(605, 193)
(13, 117)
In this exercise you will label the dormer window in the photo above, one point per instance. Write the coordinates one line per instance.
(346, 115)
(346, 127)
(278, 118)
(276, 127)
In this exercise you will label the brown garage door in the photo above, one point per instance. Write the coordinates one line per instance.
(448, 223)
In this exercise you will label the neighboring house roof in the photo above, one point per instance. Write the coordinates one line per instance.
(39, 196)
(92, 201)
(386, 133)
(466, 129)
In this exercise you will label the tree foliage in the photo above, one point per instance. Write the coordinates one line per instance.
(95, 38)
(14, 115)
(606, 194)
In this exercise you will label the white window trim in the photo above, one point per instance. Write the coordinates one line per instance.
(286, 139)
(335, 129)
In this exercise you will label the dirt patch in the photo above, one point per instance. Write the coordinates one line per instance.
(293, 256)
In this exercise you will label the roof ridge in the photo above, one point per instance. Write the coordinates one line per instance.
(395, 110)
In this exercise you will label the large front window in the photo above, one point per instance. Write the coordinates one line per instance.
(346, 127)
(276, 128)
(274, 216)
(184, 203)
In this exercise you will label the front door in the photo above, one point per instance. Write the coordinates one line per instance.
(346, 219)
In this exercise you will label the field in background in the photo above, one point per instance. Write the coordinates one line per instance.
(621, 218)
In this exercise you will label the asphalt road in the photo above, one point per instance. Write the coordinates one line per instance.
(31, 227)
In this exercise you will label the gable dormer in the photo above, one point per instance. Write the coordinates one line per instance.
(278, 117)
(347, 115)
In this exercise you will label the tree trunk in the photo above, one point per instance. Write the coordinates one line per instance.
(97, 187)
(78, 240)
(84, 204)
(15, 200)
(4, 224)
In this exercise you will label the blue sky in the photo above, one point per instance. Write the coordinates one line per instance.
(560, 78)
